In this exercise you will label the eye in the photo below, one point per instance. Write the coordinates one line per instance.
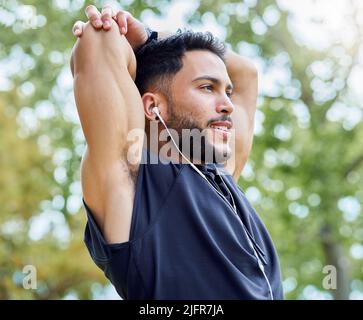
(208, 88)
(229, 94)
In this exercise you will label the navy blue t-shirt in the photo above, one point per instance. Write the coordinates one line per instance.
(186, 242)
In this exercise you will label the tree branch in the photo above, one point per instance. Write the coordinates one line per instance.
(355, 164)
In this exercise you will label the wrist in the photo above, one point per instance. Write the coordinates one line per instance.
(151, 35)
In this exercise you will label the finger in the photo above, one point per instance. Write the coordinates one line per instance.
(94, 16)
(121, 18)
(78, 28)
(107, 13)
(113, 12)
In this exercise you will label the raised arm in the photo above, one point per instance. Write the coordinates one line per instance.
(109, 106)
(243, 75)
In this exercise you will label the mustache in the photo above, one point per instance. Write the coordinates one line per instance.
(222, 118)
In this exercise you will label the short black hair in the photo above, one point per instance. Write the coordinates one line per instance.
(160, 60)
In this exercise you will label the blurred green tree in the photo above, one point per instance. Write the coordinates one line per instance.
(304, 176)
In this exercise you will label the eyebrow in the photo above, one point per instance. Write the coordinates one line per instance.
(214, 80)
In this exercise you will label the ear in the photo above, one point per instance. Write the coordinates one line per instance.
(151, 100)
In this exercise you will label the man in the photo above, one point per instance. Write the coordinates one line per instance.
(177, 229)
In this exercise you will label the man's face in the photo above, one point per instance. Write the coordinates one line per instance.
(201, 101)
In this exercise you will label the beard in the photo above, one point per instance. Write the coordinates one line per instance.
(194, 143)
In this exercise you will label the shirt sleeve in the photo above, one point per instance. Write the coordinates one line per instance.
(113, 259)
(103, 254)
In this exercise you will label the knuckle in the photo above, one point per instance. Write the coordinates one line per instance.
(118, 15)
(106, 18)
(93, 18)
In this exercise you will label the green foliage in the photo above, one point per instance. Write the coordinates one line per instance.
(303, 164)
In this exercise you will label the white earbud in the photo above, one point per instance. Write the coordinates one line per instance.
(156, 111)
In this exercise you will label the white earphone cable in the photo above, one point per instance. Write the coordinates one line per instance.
(156, 111)
(234, 209)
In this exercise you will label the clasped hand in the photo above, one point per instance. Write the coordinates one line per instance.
(129, 26)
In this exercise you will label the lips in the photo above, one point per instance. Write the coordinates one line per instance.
(221, 125)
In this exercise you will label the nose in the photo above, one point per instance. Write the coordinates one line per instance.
(225, 106)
